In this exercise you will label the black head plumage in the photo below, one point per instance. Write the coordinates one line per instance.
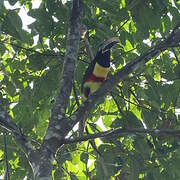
(103, 54)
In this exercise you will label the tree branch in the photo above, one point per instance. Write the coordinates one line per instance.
(121, 131)
(7, 123)
(54, 134)
(86, 42)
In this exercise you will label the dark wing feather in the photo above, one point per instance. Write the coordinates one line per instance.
(87, 73)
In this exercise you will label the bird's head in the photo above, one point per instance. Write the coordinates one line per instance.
(103, 54)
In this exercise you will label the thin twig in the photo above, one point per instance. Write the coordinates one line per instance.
(6, 174)
(122, 26)
(88, 48)
(117, 104)
(32, 50)
(177, 59)
(140, 105)
(75, 94)
(86, 42)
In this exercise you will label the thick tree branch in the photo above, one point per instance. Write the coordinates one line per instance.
(121, 131)
(22, 141)
(69, 61)
(53, 134)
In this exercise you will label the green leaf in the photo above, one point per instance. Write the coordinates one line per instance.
(75, 158)
(131, 121)
(107, 120)
(149, 118)
(153, 92)
(166, 24)
(134, 169)
(84, 157)
(177, 4)
(52, 6)
(11, 89)
(12, 24)
(176, 16)
(37, 61)
(12, 2)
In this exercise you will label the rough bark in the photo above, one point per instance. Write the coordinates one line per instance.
(53, 136)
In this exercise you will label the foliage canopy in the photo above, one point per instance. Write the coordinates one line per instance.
(30, 72)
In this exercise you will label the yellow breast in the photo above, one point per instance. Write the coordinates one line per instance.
(100, 71)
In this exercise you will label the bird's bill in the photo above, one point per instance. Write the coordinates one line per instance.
(109, 44)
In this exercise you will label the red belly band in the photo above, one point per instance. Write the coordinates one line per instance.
(93, 78)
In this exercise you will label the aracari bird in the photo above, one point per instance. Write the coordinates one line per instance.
(97, 72)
